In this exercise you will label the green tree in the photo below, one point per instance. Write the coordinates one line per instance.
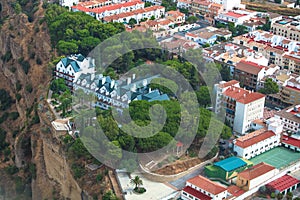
(132, 22)
(137, 181)
(206, 45)
(67, 48)
(232, 28)
(289, 196)
(192, 19)
(109, 196)
(241, 29)
(203, 96)
(279, 196)
(270, 87)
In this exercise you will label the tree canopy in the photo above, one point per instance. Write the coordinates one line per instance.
(270, 87)
(73, 32)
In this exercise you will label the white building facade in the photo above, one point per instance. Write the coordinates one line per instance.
(259, 141)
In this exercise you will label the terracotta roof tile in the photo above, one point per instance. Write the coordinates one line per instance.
(229, 83)
(241, 95)
(249, 67)
(283, 183)
(207, 185)
(256, 171)
(254, 138)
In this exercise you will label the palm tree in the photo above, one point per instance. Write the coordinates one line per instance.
(136, 181)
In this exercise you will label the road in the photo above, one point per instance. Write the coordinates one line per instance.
(180, 183)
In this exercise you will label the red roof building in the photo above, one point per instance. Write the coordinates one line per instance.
(203, 188)
(255, 176)
(284, 184)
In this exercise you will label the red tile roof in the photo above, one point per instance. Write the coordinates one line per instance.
(254, 138)
(132, 13)
(256, 171)
(283, 183)
(110, 7)
(196, 193)
(235, 190)
(207, 185)
(241, 95)
(229, 83)
(235, 15)
(290, 141)
(249, 67)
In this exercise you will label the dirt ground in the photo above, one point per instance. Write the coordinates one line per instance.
(179, 166)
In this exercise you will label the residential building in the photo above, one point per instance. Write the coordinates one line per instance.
(186, 4)
(290, 93)
(71, 67)
(292, 62)
(154, 2)
(175, 16)
(226, 169)
(229, 4)
(138, 15)
(284, 184)
(259, 141)
(200, 7)
(208, 35)
(118, 93)
(177, 44)
(255, 176)
(250, 73)
(234, 192)
(287, 27)
(94, 4)
(200, 187)
(253, 23)
(291, 142)
(111, 10)
(291, 118)
(274, 47)
(241, 106)
(68, 3)
(238, 17)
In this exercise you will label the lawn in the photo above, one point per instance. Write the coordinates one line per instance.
(278, 157)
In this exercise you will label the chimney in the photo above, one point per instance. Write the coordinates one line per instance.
(133, 76)
(245, 95)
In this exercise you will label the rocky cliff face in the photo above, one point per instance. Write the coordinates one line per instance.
(25, 52)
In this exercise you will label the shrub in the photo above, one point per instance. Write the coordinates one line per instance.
(140, 190)
(18, 97)
(14, 115)
(29, 88)
(11, 169)
(99, 178)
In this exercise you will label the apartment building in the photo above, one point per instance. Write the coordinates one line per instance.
(291, 118)
(259, 141)
(249, 74)
(287, 27)
(241, 106)
(111, 10)
(229, 4)
(200, 7)
(138, 15)
(292, 62)
(200, 187)
(186, 4)
(274, 47)
(290, 93)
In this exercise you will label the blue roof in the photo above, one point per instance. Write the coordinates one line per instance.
(231, 163)
(75, 66)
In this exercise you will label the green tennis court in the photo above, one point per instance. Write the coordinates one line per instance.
(278, 157)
